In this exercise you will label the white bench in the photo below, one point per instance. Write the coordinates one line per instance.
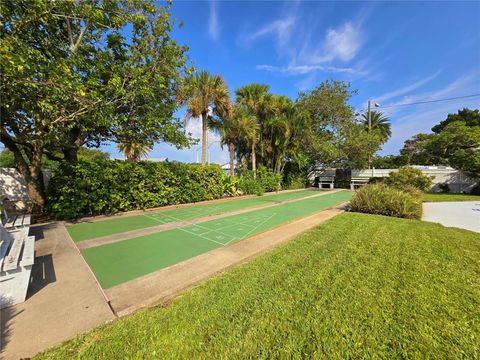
(16, 221)
(358, 182)
(16, 261)
(326, 180)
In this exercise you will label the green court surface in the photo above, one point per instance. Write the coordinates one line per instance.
(116, 263)
(94, 229)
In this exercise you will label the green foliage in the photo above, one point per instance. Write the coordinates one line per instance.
(388, 162)
(358, 286)
(380, 199)
(379, 121)
(231, 186)
(409, 177)
(6, 159)
(266, 181)
(247, 185)
(93, 187)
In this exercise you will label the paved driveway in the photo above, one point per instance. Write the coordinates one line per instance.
(462, 214)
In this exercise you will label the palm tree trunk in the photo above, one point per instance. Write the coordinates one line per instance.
(204, 137)
(231, 150)
(254, 162)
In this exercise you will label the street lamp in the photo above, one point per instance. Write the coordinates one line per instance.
(369, 117)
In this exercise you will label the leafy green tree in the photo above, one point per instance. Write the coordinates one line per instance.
(202, 92)
(6, 159)
(415, 151)
(76, 73)
(459, 145)
(379, 121)
(470, 117)
(249, 130)
(388, 161)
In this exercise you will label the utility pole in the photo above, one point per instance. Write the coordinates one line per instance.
(369, 116)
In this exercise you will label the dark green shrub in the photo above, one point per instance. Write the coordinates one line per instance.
(475, 189)
(269, 180)
(408, 176)
(385, 200)
(101, 186)
(249, 186)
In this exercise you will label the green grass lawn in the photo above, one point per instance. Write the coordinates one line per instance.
(358, 286)
(104, 227)
(438, 197)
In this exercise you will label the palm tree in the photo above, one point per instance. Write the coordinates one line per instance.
(202, 91)
(379, 122)
(134, 151)
(227, 123)
(249, 130)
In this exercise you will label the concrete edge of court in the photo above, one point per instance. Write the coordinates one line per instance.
(167, 283)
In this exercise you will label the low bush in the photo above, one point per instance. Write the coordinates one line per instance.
(408, 176)
(475, 189)
(385, 200)
(101, 186)
(265, 181)
(250, 186)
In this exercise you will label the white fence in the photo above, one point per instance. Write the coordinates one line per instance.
(457, 181)
(13, 186)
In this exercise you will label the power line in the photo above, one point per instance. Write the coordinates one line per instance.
(431, 101)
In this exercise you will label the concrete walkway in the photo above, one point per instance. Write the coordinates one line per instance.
(461, 214)
(63, 298)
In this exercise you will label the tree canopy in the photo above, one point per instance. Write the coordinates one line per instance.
(79, 73)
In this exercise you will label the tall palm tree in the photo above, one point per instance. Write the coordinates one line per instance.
(379, 122)
(203, 91)
(249, 130)
(228, 125)
(134, 151)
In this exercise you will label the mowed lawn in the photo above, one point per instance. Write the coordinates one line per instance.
(358, 286)
(439, 197)
(116, 225)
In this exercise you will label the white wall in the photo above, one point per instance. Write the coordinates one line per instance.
(13, 186)
(457, 180)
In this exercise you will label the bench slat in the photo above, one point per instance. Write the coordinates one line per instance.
(27, 220)
(28, 251)
(5, 244)
(12, 259)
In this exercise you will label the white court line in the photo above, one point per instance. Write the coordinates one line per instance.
(263, 222)
(205, 228)
(191, 233)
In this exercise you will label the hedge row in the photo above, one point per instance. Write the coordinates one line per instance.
(94, 187)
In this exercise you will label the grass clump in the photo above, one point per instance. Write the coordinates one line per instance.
(380, 199)
(439, 197)
(358, 286)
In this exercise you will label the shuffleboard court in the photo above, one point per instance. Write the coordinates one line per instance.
(126, 260)
(95, 229)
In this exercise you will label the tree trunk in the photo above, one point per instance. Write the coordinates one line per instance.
(254, 162)
(204, 137)
(231, 150)
(36, 188)
(70, 155)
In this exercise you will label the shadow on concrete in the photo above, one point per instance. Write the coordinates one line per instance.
(6, 316)
(43, 273)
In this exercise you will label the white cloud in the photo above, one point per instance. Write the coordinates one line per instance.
(342, 43)
(306, 69)
(281, 29)
(213, 26)
(406, 89)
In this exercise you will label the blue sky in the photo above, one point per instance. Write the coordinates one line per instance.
(391, 52)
